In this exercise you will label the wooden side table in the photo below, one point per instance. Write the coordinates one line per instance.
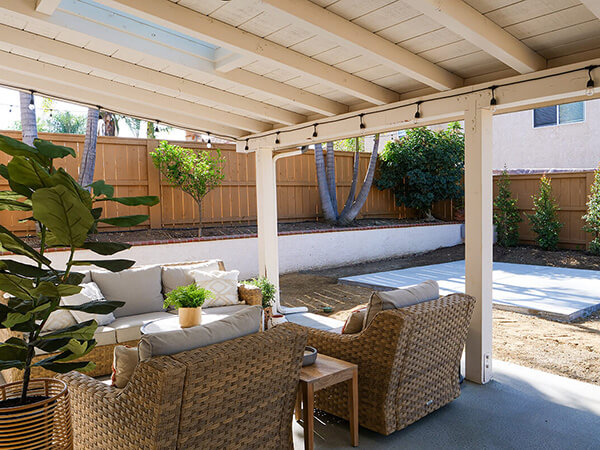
(325, 372)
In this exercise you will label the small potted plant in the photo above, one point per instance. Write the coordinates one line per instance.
(268, 295)
(188, 301)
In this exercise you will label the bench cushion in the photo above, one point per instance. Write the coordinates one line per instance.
(128, 328)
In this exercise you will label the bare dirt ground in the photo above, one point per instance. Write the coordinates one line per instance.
(567, 349)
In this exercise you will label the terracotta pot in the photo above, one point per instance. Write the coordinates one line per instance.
(42, 424)
(190, 317)
(268, 313)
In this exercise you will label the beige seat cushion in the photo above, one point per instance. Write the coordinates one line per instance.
(140, 288)
(241, 323)
(105, 335)
(223, 285)
(128, 328)
(400, 298)
(175, 275)
(125, 360)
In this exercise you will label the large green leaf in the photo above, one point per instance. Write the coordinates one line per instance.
(64, 214)
(61, 177)
(9, 351)
(83, 331)
(12, 364)
(99, 187)
(15, 285)
(50, 150)
(21, 189)
(106, 248)
(125, 221)
(25, 270)
(146, 200)
(96, 307)
(51, 345)
(114, 265)
(14, 318)
(14, 205)
(82, 366)
(12, 243)
(14, 147)
(28, 172)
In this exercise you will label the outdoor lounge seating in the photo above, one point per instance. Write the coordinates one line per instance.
(408, 362)
(237, 394)
(125, 329)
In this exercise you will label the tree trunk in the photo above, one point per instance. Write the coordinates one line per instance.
(329, 213)
(331, 176)
(28, 119)
(150, 130)
(88, 159)
(199, 218)
(364, 190)
(352, 193)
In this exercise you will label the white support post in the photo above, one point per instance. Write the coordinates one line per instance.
(479, 239)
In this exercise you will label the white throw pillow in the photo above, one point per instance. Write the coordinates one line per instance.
(222, 284)
(58, 320)
(177, 275)
(140, 288)
(89, 292)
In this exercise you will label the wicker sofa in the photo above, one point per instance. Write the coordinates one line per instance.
(408, 361)
(126, 330)
(238, 394)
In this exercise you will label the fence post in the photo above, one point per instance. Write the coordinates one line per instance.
(153, 185)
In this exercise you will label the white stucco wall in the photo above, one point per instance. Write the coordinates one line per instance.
(296, 252)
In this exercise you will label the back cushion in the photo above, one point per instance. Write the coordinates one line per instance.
(177, 275)
(237, 325)
(140, 289)
(400, 298)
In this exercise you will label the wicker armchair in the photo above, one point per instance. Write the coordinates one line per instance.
(238, 394)
(408, 361)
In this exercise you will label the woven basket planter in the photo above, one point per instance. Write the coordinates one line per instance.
(40, 425)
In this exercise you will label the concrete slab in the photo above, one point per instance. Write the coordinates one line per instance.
(520, 409)
(553, 292)
(316, 321)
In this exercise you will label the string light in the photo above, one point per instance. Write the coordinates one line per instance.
(417, 113)
(246, 147)
(277, 138)
(589, 88)
(31, 103)
(493, 101)
(10, 109)
(315, 134)
(208, 143)
(51, 114)
(156, 126)
(362, 124)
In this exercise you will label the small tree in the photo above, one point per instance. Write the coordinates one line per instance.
(592, 217)
(544, 220)
(195, 173)
(424, 167)
(506, 216)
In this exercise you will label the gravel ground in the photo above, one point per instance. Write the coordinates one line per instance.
(567, 349)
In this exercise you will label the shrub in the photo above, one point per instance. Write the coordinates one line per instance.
(267, 288)
(424, 167)
(195, 173)
(190, 296)
(544, 220)
(506, 215)
(592, 217)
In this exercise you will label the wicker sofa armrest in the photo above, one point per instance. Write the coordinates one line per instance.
(251, 295)
(145, 414)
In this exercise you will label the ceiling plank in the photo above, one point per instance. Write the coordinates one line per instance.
(46, 6)
(593, 6)
(170, 84)
(70, 85)
(469, 23)
(195, 24)
(350, 34)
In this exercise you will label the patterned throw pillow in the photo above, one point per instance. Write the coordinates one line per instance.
(89, 292)
(222, 284)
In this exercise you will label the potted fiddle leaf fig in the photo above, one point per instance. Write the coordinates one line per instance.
(188, 301)
(65, 214)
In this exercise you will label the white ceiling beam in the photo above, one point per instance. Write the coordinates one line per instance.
(107, 94)
(593, 6)
(72, 22)
(46, 6)
(169, 84)
(522, 92)
(226, 61)
(349, 34)
(195, 24)
(469, 23)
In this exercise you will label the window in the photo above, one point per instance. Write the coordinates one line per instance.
(558, 114)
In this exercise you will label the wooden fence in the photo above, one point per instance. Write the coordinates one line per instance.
(570, 189)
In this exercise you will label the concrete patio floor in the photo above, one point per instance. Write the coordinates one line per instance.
(520, 409)
(552, 292)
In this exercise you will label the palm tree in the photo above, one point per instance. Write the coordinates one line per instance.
(88, 158)
(327, 185)
(28, 120)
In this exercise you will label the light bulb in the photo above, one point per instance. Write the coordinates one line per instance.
(589, 89)
(494, 108)
(31, 105)
(208, 144)
(415, 120)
